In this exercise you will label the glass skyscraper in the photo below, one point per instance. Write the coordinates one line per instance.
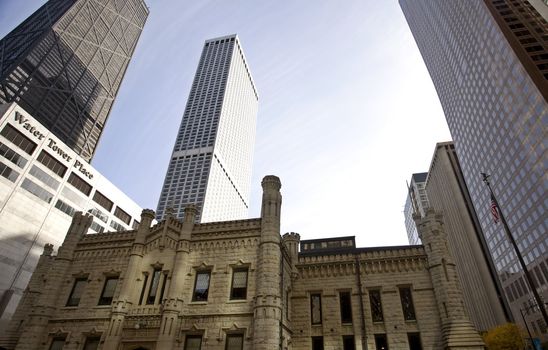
(211, 162)
(488, 61)
(65, 63)
(416, 202)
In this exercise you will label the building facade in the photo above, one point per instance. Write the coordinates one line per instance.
(237, 285)
(416, 202)
(42, 184)
(488, 62)
(65, 63)
(212, 158)
(447, 192)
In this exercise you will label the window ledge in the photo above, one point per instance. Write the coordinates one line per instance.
(102, 307)
(197, 303)
(237, 301)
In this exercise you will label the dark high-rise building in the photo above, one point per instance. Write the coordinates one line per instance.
(488, 62)
(65, 63)
(212, 158)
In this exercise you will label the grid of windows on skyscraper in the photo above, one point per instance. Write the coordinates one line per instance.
(65, 63)
(492, 88)
(211, 161)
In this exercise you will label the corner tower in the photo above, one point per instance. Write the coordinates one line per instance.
(457, 330)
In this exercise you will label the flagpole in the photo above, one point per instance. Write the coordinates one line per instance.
(520, 258)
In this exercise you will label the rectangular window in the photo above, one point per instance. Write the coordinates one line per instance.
(381, 343)
(122, 215)
(52, 163)
(92, 343)
(407, 304)
(239, 284)
(12, 156)
(57, 344)
(8, 172)
(98, 214)
(346, 307)
(117, 226)
(18, 139)
(201, 287)
(77, 291)
(79, 184)
(135, 225)
(37, 190)
(287, 306)
(103, 201)
(163, 289)
(153, 290)
(45, 178)
(193, 342)
(317, 343)
(234, 342)
(108, 291)
(348, 342)
(316, 308)
(414, 340)
(65, 208)
(143, 290)
(376, 305)
(95, 227)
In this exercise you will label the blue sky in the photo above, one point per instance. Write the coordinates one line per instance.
(347, 110)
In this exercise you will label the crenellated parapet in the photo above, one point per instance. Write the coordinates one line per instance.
(222, 227)
(220, 245)
(372, 261)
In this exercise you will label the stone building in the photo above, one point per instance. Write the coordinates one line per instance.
(240, 285)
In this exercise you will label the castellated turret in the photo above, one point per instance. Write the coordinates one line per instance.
(268, 303)
(458, 330)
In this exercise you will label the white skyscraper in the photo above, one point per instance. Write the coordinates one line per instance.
(212, 158)
(416, 201)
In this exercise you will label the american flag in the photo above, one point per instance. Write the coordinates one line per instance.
(494, 210)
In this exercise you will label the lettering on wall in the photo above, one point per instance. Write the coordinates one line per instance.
(80, 166)
(52, 144)
(25, 122)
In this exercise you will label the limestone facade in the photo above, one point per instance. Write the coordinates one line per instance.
(240, 285)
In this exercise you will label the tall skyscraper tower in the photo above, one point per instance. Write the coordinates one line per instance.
(488, 61)
(417, 201)
(65, 63)
(212, 158)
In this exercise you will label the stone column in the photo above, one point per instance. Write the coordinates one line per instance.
(128, 292)
(34, 332)
(457, 330)
(268, 302)
(174, 301)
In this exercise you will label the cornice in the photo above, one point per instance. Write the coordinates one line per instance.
(227, 226)
(227, 243)
(371, 261)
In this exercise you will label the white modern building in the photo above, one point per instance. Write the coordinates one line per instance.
(42, 184)
(417, 201)
(213, 153)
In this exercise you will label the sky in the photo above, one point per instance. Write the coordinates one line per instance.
(347, 109)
